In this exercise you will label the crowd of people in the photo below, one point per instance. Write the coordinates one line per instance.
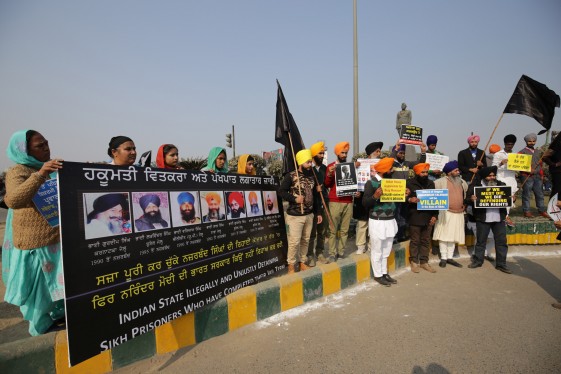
(316, 212)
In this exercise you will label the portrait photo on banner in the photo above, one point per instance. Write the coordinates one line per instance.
(212, 206)
(235, 205)
(150, 210)
(253, 203)
(185, 208)
(106, 214)
(271, 202)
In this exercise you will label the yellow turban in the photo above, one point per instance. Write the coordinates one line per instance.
(421, 167)
(384, 165)
(341, 147)
(303, 156)
(212, 196)
(316, 148)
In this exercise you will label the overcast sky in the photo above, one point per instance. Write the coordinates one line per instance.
(184, 72)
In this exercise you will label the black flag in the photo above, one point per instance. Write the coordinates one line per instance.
(535, 100)
(286, 132)
(145, 159)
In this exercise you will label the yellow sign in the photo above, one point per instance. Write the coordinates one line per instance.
(393, 190)
(519, 162)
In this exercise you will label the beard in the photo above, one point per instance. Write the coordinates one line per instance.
(491, 183)
(270, 207)
(188, 216)
(213, 214)
(254, 208)
(116, 227)
(457, 180)
(236, 213)
(153, 217)
(341, 159)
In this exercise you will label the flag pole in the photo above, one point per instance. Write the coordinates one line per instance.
(296, 170)
(331, 225)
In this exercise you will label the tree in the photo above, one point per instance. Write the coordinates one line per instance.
(193, 163)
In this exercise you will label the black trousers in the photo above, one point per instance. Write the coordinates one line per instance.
(499, 233)
(420, 243)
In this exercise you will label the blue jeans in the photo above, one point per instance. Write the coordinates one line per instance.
(534, 183)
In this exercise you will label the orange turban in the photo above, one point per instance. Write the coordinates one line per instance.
(252, 197)
(316, 148)
(212, 196)
(341, 147)
(235, 196)
(384, 165)
(494, 148)
(420, 167)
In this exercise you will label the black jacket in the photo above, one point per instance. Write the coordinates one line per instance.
(419, 217)
(480, 213)
(466, 162)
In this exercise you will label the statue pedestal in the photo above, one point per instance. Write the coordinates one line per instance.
(410, 153)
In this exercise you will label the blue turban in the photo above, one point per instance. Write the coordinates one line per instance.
(185, 197)
(432, 139)
(401, 148)
(452, 165)
(147, 199)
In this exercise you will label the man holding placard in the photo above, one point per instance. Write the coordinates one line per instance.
(504, 171)
(435, 159)
(488, 218)
(533, 179)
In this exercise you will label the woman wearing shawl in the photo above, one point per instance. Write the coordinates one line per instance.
(122, 150)
(246, 165)
(31, 256)
(217, 161)
(168, 157)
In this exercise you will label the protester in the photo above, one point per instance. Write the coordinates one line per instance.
(488, 219)
(298, 189)
(500, 160)
(168, 157)
(214, 203)
(360, 213)
(106, 218)
(31, 253)
(317, 236)
(558, 227)
(122, 151)
(152, 218)
(246, 165)
(432, 140)
(217, 161)
(533, 180)
(471, 159)
(186, 202)
(552, 157)
(449, 229)
(340, 207)
(420, 221)
(381, 225)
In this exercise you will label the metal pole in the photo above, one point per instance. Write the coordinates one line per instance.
(233, 142)
(355, 83)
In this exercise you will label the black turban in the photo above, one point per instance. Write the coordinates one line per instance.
(372, 147)
(147, 199)
(510, 138)
(106, 202)
(484, 172)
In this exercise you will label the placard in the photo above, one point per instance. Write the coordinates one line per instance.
(345, 179)
(142, 247)
(363, 171)
(519, 162)
(394, 190)
(493, 197)
(432, 199)
(436, 161)
(410, 134)
(46, 201)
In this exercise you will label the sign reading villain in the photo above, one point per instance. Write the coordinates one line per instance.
(143, 247)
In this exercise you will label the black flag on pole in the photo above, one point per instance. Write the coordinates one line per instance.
(286, 132)
(535, 100)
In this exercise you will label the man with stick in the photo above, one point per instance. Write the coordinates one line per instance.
(298, 188)
(532, 181)
(471, 159)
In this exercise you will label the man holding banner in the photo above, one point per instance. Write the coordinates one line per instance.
(487, 219)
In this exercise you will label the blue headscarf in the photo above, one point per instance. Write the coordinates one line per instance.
(211, 162)
(17, 151)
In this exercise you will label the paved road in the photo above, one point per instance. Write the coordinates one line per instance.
(454, 321)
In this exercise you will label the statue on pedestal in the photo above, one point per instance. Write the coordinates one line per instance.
(404, 117)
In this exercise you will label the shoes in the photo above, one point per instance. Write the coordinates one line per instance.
(474, 265)
(321, 258)
(489, 258)
(556, 305)
(442, 263)
(509, 222)
(389, 279)
(504, 269)
(415, 267)
(341, 256)
(528, 215)
(428, 268)
(382, 281)
(359, 251)
(311, 262)
(545, 215)
(455, 263)
(290, 269)
(303, 266)
(330, 259)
